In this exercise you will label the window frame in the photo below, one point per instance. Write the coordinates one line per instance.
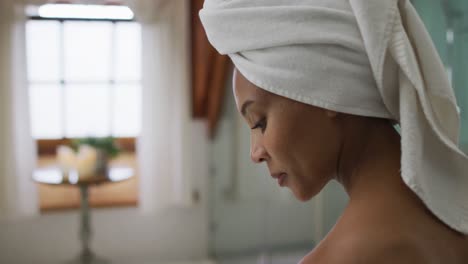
(49, 146)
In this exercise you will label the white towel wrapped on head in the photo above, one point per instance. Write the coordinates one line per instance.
(363, 57)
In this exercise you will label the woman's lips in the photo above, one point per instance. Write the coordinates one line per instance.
(281, 178)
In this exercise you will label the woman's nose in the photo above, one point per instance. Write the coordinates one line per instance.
(258, 154)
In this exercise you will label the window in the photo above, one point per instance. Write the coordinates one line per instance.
(84, 78)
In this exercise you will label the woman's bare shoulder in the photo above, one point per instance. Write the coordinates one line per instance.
(390, 255)
(364, 247)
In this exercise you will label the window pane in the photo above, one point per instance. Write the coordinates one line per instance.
(127, 111)
(43, 47)
(87, 110)
(87, 50)
(46, 111)
(128, 52)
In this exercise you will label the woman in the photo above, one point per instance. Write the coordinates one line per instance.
(321, 83)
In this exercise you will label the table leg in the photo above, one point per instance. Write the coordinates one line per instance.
(86, 256)
(85, 229)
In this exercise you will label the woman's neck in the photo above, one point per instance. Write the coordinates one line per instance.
(370, 160)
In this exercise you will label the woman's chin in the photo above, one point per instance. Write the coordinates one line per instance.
(305, 195)
(302, 196)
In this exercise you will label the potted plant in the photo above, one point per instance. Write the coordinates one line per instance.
(104, 147)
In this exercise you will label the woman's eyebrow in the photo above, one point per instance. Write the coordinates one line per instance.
(245, 105)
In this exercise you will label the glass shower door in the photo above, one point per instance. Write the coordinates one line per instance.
(447, 23)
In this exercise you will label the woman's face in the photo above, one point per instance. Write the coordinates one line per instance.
(298, 142)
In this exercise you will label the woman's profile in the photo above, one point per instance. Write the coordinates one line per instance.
(322, 84)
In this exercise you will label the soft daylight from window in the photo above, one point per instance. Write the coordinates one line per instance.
(84, 78)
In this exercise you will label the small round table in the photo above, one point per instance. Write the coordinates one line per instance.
(55, 176)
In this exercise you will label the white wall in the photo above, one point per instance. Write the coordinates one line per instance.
(123, 235)
(119, 234)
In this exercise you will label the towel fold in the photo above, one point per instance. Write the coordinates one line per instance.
(369, 58)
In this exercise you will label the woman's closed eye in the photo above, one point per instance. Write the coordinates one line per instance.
(260, 124)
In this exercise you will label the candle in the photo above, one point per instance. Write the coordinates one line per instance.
(86, 161)
(66, 158)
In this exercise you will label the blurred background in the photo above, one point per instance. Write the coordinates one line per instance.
(142, 74)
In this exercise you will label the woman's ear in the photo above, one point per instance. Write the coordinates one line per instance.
(331, 113)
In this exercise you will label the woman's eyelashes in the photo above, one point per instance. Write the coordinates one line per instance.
(260, 124)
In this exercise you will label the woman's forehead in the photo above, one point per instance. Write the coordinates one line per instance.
(246, 87)
(245, 90)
